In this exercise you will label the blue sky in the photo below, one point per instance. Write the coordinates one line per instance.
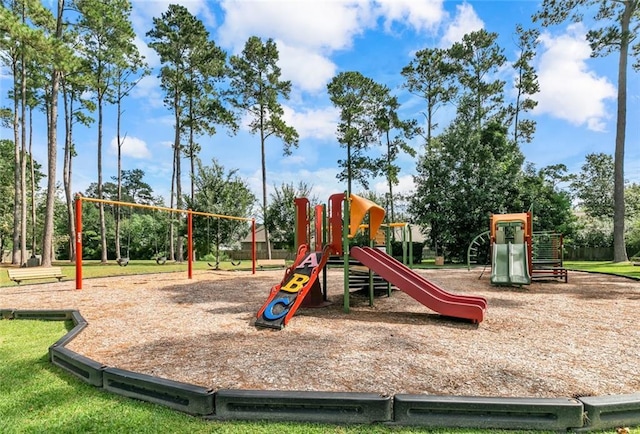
(319, 39)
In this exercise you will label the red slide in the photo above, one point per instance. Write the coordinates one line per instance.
(299, 280)
(419, 288)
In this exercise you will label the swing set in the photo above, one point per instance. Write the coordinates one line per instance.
(216, 265)
(160, 256)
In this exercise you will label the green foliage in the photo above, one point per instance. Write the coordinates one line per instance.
(256, 90)
(551, 206)
(429, 76)
(394, 133)
(475, 61)
(220, 193)
(526, 84)
(463, 178)
(397, 250)
(7, 192)
(356, 96)
(107, 35)
(616, 26)
(591, 232)
(281, 213)
(594, 185)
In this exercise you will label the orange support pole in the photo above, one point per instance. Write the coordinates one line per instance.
(78, 241)
(302, 221)
(253, 246)
(190, 244)
(319, 227)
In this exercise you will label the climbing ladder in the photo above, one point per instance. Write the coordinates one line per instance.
(548, 252)
(479, 250)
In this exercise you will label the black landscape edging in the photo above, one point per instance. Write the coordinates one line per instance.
(611, 411)
(582, 414)
(43, 315)
(302, 406)
(84, 368)
(184, 397)
(487, 412)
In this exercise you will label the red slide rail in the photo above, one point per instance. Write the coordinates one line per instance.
(299, 280)
(419, 288)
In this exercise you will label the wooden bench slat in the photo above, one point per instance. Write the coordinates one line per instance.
(261, 263)
(20, 274)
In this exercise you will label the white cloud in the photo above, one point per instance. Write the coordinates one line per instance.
(568, 89)
(421, 15)
(306, 33)
(465, 21)
(320, 24)
(131, 147)
(145, 10)
(148, 88)
(149, 54)
(318, 124)
(405, 186)
(322, 180)
(307, 69)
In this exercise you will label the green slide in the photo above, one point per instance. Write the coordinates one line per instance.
(509, 265)
(518, 266)
(500, 264)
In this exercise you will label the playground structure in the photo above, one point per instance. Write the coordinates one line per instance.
(189, 213)
(519, 255)
(333, 230)
(511, 249)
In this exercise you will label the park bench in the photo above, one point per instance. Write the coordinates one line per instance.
(268, 263)
(31, 273)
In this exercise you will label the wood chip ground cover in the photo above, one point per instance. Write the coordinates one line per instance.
(546, 340)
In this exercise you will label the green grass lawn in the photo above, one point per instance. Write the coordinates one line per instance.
(605, 267)
(92, 269)
(38, 397)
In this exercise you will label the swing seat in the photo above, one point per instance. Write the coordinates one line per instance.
(214, 266)
(123, 262)
(161, 260)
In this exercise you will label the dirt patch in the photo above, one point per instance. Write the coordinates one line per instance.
(544, 340)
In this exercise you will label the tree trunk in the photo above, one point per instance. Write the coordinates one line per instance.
(119, 175)
(390, 182)
(169, 240)
(619, 248)
(264, 183)
(180, 239)
(47, 237)
(66, 173)
(17, 183)
(103, 226)
(32, 169)
(23, 156)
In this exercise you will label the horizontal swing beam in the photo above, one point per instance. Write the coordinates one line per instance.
(189, 213)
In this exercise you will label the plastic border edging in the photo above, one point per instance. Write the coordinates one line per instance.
(179, 396)
(302, 406)
(582, 414)
(43, 315)
(487, 412)
(612, 411)
(86, 369)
